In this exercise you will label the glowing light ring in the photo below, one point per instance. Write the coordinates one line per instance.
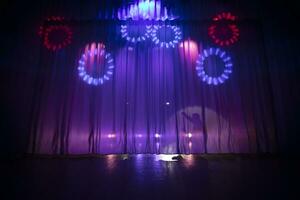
(234, 35)
(50, 19)
(225, 16)
(200, 66)
(235, 32)
(53, 46)
(125, 34)
(172, 43)
(95, 80)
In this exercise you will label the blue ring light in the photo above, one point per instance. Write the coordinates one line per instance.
(109, 61)
(167, 44)
(200, 66)
(125, 34)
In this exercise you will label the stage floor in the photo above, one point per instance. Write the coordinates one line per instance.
(152, 177)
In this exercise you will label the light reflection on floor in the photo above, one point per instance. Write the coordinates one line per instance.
(166, 157)
(157, 157)
(150, 176)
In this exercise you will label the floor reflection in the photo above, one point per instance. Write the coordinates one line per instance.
(150, 177)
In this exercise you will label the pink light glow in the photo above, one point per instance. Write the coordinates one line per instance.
(111, 135)
(189, 50)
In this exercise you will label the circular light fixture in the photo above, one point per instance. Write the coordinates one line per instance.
(64, 31)
(223, 32)
(50, 19)
(167, 43)
(95, 54)
(224, 15)
(126, 33)
(56, 36)
(227, 66)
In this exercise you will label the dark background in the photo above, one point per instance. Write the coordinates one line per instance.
(20, 56)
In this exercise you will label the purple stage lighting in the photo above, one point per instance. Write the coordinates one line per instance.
(189, 135)
(135, 33)
(90, 59)
(166, 36)
(200, 66)
(145, 10)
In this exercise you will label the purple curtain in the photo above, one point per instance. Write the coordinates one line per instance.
(154, 102)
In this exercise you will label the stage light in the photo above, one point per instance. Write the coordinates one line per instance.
(190, 145)
(189, 135)
(227, 66)
(167, 103)
(157, 145)
(145, 10)
(91, 52)
(223, 32)
(111, 135)
(189, 49)
(51, 19)
(167, 42)
(157, 135)
(134, 35)
(53, 45)
(224, 15)
(56, 37)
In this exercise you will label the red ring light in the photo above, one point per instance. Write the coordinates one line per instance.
(64, 31)
(63, 34)
(50, 19)
(223, 32)
(224, 15)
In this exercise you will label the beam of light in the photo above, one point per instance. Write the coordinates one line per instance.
(146, 10)
(111, 135)
(157, 146)
(190, 145)
(93, 53)
(189, 50)
(227, 66)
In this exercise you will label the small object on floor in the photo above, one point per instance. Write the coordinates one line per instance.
(125, 157)
(178, 157)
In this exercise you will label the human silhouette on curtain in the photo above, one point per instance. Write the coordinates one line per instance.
(195, 120)
(193, 126)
